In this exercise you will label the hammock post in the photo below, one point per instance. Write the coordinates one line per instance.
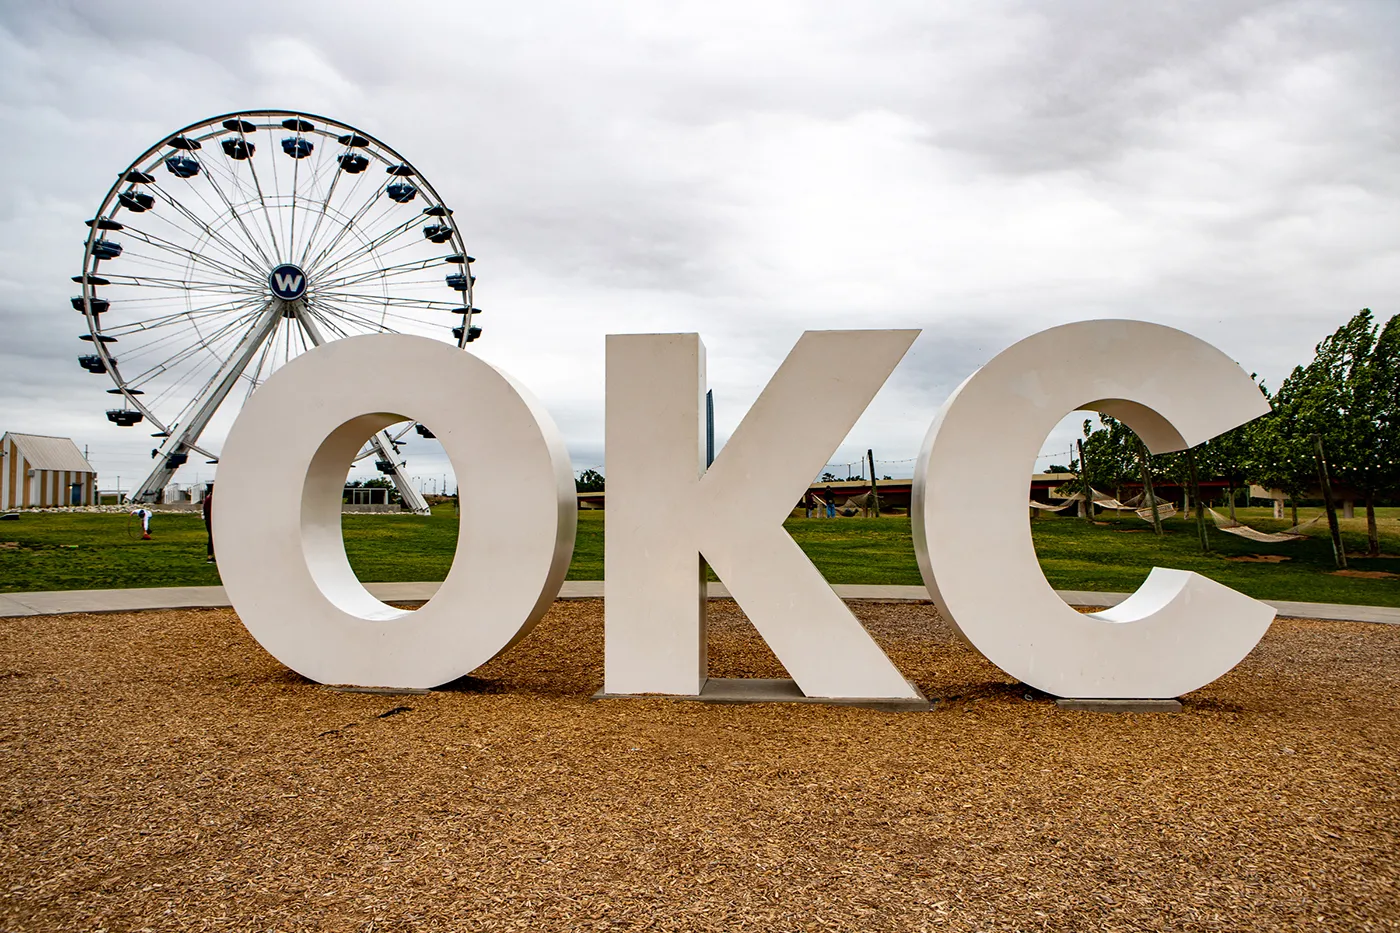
(1325, 482)
(1200, 506)
(1147, 487)
(874, 489)
(1084, 482)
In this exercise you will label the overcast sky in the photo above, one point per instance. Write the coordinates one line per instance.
(750, 170)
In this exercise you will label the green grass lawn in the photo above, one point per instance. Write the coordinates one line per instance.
(54, 551)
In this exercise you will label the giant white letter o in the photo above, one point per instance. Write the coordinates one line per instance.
(1179, 631)
(277, 512)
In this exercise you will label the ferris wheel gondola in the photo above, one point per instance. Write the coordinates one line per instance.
(241, 241)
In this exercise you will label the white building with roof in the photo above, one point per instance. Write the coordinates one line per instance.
(37, 471)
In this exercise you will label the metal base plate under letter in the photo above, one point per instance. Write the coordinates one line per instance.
(1120, 706)
(747, 690)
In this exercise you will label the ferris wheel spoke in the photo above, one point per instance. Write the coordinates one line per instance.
(206, 350)
(246, 208)
(262, 197)
(352, 223)
(398, 301)
(190, 344)
(162, 264)
(333, 260)
(184, 314)
(327, 321)
(380, 320)
(222, 260)
(194, 255)
(292, 236)
(367, 247)
(320, 217)
(312, 242)
(238, 218)
(347, 312)
(309, 194)
(214, 236)
(355, 278)
(381, 257)
(230, 245)
(174, 284)
(372, 277)
(277, 189)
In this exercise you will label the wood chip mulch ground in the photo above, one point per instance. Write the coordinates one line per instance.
(159, 771)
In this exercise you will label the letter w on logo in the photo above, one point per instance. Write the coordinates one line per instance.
(288, 281)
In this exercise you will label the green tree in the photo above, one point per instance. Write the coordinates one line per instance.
(1329, 407)
(1367, 452)
(589, 481)
(1227, 457)
(1111, 453)
(1278, 456)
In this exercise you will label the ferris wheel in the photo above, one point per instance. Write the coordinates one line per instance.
(241, 241)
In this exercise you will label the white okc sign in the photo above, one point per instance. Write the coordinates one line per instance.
(282, 558)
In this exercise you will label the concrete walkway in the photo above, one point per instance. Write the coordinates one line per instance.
(61, 602)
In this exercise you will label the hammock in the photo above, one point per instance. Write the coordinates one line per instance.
(852, 505)
(1101, 501)
(1165, 510)
(1056, 508)
(1253, 534)
(855, 504)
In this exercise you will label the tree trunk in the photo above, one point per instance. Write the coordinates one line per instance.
(1373, 536)
(1200, 504)
(1147, 487)
(1232, 499)
(1293, 501)
(1338, 551)
(1084, 483)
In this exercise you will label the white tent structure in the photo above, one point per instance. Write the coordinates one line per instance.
(43, 472)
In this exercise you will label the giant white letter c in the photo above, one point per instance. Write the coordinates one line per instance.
(1179, 631)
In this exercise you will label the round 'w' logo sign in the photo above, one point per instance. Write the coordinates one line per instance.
(288, 282)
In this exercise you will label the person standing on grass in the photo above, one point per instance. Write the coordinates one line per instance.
(208, 506)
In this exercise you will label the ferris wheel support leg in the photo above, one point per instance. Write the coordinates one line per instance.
(183, 439)
(384, 444)
(412, 499)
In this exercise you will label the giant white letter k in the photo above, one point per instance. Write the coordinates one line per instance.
(667, 515)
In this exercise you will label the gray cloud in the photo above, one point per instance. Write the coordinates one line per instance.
(980, 171)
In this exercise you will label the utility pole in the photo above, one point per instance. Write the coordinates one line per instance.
(1338, 551)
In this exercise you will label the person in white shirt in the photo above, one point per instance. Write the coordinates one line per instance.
(145, 516)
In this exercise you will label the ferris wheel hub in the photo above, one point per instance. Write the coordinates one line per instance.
(287, 281)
